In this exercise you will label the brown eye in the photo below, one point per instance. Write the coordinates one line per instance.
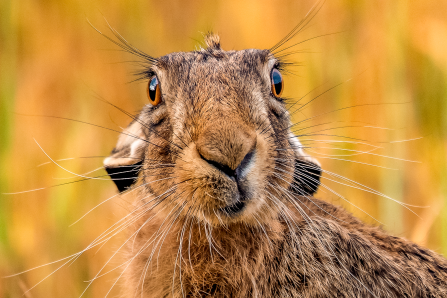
(277, 83)
(153, 91)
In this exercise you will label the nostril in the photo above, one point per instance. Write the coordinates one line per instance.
(237, 174)
(223, 168)
(244, 166)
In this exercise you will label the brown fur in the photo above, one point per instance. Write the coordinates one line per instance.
(328, 254)
(217, 108)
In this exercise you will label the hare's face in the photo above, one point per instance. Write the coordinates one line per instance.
(217, 146)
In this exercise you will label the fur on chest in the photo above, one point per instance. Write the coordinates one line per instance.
(306, 257)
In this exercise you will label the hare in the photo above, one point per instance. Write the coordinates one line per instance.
(224, 204)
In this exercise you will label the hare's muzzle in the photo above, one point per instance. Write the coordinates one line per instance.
(238, 176)
(221, 165)
(230, 148)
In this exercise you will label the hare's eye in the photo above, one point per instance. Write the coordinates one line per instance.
(277, 83)
(153, 91)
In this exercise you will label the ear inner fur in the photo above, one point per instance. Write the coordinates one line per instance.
(123, 165)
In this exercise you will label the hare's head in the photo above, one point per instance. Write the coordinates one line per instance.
(215, 140)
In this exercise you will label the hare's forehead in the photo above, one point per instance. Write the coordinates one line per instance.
(214, 64)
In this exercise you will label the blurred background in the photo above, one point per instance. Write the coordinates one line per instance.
(376, 84)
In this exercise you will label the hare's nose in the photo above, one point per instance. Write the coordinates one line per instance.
(230, 148)
(241, 170)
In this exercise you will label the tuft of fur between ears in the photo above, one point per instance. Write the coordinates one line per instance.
(212, 40)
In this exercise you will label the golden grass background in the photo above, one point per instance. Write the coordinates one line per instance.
(390, 56)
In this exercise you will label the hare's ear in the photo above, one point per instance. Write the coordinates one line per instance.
(307, 172)
(126, 160)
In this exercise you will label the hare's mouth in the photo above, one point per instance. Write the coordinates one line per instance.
(233, 209)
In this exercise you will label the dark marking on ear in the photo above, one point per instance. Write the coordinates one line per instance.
(306, 178)
(124, 176)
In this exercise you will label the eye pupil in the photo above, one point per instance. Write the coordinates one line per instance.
(277, 83)
(153, 91)
(153, 88)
